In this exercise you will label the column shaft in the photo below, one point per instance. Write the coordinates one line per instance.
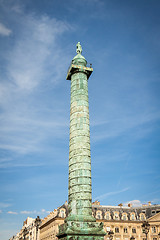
(80, 192)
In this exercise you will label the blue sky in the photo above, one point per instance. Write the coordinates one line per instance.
(37, 43)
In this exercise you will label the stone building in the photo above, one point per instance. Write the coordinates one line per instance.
(29, 231)
(49, 227)
(124, 221)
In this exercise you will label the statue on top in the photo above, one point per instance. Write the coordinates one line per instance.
(79, 48)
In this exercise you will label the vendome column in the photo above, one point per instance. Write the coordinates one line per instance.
(80, 224)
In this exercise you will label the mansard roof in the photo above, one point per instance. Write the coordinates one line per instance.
(148, 210)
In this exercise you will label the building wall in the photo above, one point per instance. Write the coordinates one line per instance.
(50, 230)
(123, 221)
(31, 234)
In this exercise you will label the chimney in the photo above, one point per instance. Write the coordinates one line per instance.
(96, 203)
(120, 205)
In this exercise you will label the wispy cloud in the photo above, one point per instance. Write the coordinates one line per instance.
(4, 31)
(22, 164)
(134, 203)
(32, 66)
(116, 127)
(11, 212)
(31, 58)
(27, 212)
(103, 196)
(42, 211)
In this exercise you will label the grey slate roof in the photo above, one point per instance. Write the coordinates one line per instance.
(148, 210)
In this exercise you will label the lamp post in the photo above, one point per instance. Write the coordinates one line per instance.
(132, 238)
(25, 231)
(145, 228)
(37, 224)
(110, 234)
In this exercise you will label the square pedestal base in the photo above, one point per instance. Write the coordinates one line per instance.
(73, 230)
(82, 237)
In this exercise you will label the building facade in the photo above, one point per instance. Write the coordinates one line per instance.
(29, 231)
(124, 221)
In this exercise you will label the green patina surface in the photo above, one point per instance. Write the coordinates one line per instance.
(80, 224)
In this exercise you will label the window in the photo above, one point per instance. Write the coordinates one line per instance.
(62, 214)
(142, 217)
(98, 214)
(125, 230)
(132, 216)
(116, 230)
(107, 216)
(116, 216)
(153, 229)
(124, 216)
(154, 238)
(133, 230)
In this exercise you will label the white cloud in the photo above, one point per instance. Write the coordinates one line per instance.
(35, 51)
(27, 212)
(0, 211)
(11, 212)
(135, 203)
(33, 65)
(4, 31)
(42, 211)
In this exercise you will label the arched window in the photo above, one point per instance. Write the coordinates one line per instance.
(142, 216)
(125, 230)
(62, 213)
(99, 215)
(116, 216)
(124, 216)
(116, 229)
(132, 216)
(107, 216)
(133, 230)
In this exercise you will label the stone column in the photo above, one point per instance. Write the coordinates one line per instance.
(80, 224)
